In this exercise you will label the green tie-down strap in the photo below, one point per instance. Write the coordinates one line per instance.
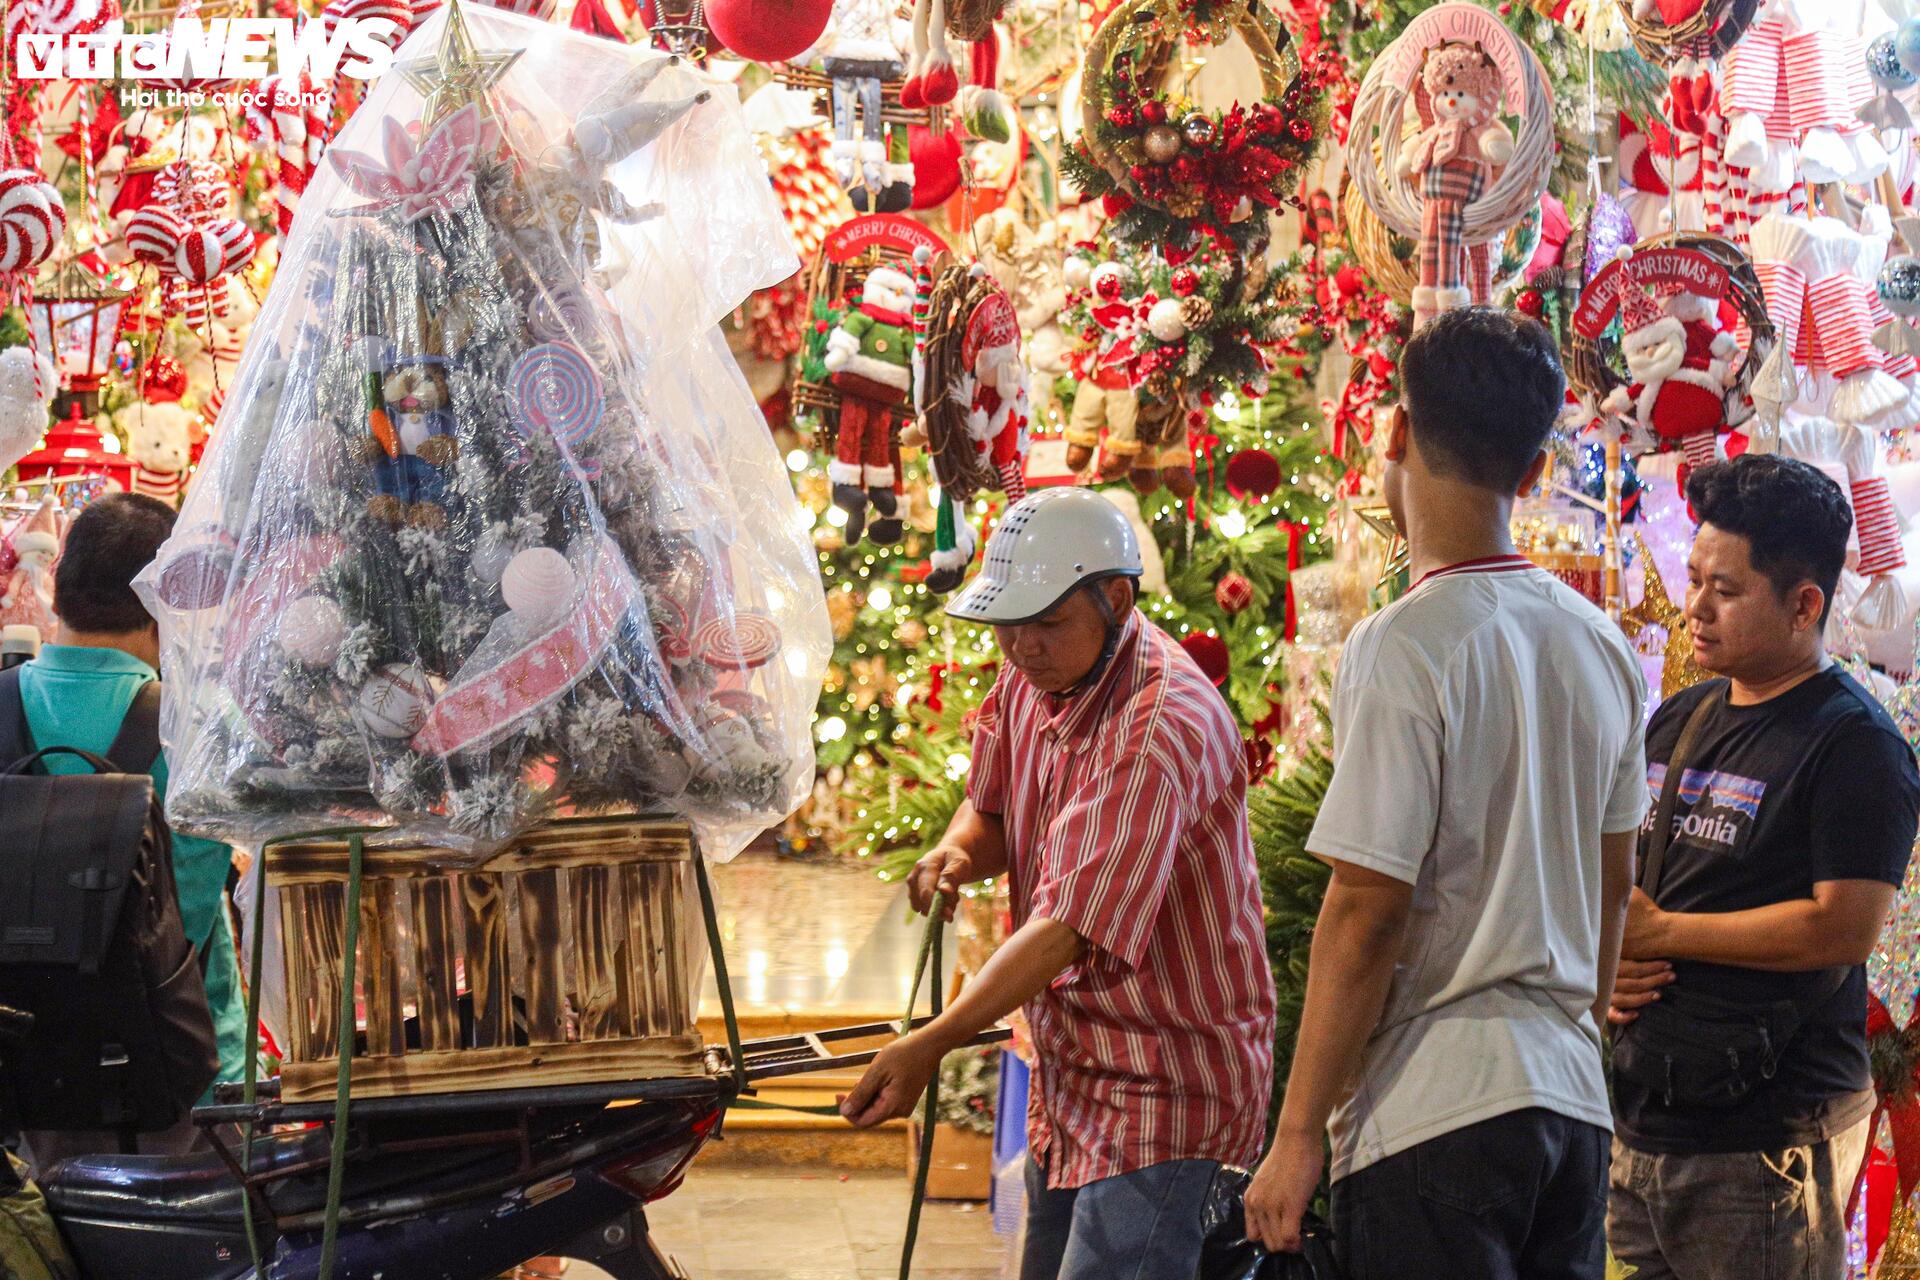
(336, 1167)
(929, 965)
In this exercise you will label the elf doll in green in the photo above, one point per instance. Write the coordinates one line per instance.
(869, 357)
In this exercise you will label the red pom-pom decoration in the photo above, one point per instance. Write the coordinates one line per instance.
(1253, 473)
(1209, 653)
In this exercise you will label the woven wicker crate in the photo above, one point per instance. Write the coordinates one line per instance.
(566, 958)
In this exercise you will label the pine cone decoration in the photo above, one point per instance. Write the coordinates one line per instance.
(1196, 311)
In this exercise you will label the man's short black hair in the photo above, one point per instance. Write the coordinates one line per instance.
(110, 542)
(1483, 387)
(1794, 517)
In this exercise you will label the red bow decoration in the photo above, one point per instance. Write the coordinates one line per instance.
(1295, 530)
(1896, 1084)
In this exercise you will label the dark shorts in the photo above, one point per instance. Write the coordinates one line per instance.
(1522, 1196)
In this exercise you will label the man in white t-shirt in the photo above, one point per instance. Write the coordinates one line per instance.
(1488, 782)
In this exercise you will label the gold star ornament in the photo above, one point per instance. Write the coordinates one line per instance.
(1678, 669)
(456, 73)
(1398, 557)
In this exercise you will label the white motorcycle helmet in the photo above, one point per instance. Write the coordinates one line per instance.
(1047, 546)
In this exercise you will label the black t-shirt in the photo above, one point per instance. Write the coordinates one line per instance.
(1816, 784)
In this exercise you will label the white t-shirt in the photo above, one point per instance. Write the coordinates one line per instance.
(1487, 730)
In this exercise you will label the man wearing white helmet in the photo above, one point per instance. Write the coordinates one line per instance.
(1108, 781)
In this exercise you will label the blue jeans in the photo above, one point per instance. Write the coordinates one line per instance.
(1143, 1225)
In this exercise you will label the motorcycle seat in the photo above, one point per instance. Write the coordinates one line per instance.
(201, 1188)
(190, 1188)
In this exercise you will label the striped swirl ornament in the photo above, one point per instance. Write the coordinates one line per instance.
(740, 643)
(554, 389)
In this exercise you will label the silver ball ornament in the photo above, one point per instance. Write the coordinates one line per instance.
(1162, 143)
(1906, 45)
(1884, 65)
(1899, 285)
(1199, 130)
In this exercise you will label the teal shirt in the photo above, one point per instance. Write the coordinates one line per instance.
(77, 697)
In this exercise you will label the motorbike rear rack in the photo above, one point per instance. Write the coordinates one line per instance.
(763, 1059)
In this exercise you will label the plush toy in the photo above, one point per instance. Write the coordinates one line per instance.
(931, 79)
(27, 386)
(28, 599)
(411, 442)
(1665, 171)
(859, 50)
(1681, 367)
(160, 443)
(1105, 396)
(1027, 264)
(1456, 154)
(869, 359)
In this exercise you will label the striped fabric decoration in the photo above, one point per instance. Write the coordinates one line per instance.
(1785, 287)
(166, 485)
(1751, 72)
(1700, 448)
(1845, 329)
(1820, 83)
(1879, 527)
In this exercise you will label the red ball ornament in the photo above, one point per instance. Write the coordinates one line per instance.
(1185, 281)
(1109, 286)
(164, 380)
(1531, 303)
(1122, 117)
(1209, 653)
(1233, 593)
(1153, 111)
(1253, 473)
(768, 30)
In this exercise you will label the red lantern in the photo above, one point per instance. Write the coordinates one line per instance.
(73, 448)
(76, 321)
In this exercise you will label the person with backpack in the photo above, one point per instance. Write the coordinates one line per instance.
(95, 689)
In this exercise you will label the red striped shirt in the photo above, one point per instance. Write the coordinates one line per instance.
(1126, 820)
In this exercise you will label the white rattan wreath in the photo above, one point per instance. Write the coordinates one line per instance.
(1381, 110)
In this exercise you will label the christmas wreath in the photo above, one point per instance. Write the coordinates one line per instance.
(1205, 326)
(1168, 171)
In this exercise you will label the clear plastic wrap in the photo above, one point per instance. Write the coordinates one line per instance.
(491, 528)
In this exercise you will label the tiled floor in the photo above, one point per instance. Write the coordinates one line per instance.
(742, 1224)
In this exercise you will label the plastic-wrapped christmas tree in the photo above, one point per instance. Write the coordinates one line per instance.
(491, 528)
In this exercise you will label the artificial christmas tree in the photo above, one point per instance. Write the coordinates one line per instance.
(450, 565)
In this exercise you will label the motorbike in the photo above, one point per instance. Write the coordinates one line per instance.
(439, 1187)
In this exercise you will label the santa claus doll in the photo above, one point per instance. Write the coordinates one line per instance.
(868, 358)
(1682, 366)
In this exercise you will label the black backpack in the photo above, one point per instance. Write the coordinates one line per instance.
(90, 937)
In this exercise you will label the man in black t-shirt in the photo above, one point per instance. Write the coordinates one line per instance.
(1794, 816)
